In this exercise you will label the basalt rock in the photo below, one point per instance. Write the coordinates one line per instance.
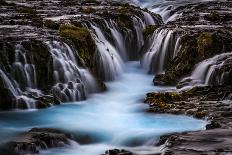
(35, 140)
(117, 152)
(202, 102)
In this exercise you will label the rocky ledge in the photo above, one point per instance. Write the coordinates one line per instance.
(36, 140)
(212, 103)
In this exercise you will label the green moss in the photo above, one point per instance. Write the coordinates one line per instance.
(124, 10)
(204, 43)
(163, 100)
(51, 24)
(88, 10)
(149, 29)
(83, 41)
(200, 114)
(27, 10)
(213, 16)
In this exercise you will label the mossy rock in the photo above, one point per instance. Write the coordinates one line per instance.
(51, 25)
(83, 41)
(88, 10)
(200, 114)
(213, 16)
(149, 30)
(204, 42)
(163, 100)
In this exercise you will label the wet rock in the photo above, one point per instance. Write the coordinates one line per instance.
(216, 141)
(118, 152)
(205, 102)
(35, 140)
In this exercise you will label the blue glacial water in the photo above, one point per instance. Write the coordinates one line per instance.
(114, 119)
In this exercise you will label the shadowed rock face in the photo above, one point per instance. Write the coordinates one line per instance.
(35, 140)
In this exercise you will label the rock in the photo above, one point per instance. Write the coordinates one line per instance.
(213, 125)
(35, 140)
(203, 142)
(118, 152)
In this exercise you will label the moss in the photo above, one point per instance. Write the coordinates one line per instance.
(51, 24)
(124, 10)
(27, 10)
(149, 29)
(200, 114)
(213, 16)
(204, 43)
(163, 100)
(83, 41)
(88, 10)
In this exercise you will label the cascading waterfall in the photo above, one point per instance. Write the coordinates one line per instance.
(118, 38)
(205, 72)
(71, 83)
(109, 62)
(164, 47)
(23, 71)
(20, 100)
(149, 20)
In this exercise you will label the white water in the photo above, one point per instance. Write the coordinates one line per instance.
(205, 70)
(114, 119)
(110, 63)
(163, 48)
(164, 7)
(25, 74)
(71, 82)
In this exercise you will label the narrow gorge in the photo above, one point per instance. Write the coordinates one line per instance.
(74, 75)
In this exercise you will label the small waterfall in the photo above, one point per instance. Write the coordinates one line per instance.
(208, 72)
(149, 20)
(109, 63)
(21, 101)
(23, 71)
(139, 27)
(164, 47)
(71, 82)
(118, 38)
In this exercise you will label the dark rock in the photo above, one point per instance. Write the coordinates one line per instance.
(118, 152)
(35, 140)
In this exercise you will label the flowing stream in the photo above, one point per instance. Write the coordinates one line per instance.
(114, 119)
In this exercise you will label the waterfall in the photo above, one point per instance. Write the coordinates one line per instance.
(149, 20)
(71, 82)
(109, 62)
(21, 101)
(208, 72)
(23, 71)
(163, 48)
(22, 81)
(118, 38)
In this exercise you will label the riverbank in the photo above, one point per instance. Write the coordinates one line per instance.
(211, 103)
